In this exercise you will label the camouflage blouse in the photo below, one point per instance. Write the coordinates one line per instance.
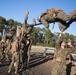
(63, 53)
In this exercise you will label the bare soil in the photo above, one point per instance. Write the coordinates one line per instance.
(39, 65)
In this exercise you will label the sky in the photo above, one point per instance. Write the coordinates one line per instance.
(15, 9)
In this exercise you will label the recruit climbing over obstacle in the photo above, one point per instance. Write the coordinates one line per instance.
(57, 15)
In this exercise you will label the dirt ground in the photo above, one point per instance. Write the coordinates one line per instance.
(39, 65)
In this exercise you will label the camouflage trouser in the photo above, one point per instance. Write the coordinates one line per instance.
(58, 68)
(20, 56)
(72, 14)
(1, 55)
(15, 61)
(24, 60)
(6, 54)
(21, 59)
(63, 16)
(28, 53)
(63, 26)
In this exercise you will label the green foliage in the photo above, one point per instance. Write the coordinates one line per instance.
(15, 23)
(48, 35)
(1, 27)
(67, 36)
(40, 36)
(51, 44)
(2, 20)
(10, 22)
(2, 23)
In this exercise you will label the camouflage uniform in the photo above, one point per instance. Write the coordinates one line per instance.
(1, 51)
(7, 50)
(62, 18)
(59, 61)
(54, 15)
(21, 53)
(47, 17)
(2, 45)
(26, 53)
(26, 28)
(29, 49)
(15, 57)
(11, 35)
(24, 57)
(72, 15)
(63, 26)
(21, 44)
